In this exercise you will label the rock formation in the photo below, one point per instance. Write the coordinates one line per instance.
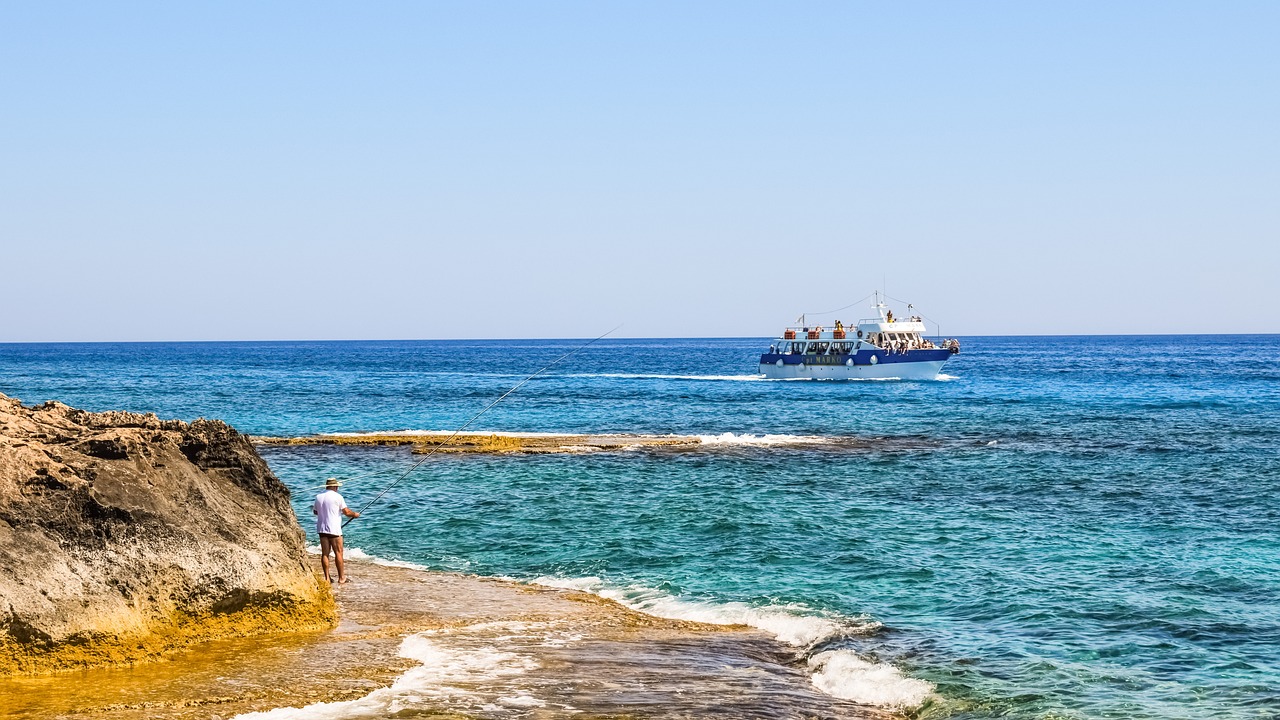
(123, 537)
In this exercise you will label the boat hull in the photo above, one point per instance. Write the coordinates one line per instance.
(913, 365)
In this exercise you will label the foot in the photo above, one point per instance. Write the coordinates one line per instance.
(344, 581)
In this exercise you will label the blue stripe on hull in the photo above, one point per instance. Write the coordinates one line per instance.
(862, 357)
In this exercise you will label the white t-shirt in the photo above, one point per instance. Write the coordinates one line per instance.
(328, 508)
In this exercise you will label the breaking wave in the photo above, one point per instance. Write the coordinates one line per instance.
(355, 553)
(586, 443)
(763, 440)
(445, 676)
(839, 673)
(842, 674)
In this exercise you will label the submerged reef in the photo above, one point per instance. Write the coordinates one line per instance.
(124, 537)
(492, 443)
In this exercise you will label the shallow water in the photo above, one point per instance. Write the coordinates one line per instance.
(1066, 527)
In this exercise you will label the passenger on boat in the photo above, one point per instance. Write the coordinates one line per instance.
(890, 316)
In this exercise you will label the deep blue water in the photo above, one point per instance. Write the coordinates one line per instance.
(1064, 527)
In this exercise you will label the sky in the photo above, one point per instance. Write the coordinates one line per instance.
(401, 170)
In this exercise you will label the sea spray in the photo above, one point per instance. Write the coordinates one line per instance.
(843, 674)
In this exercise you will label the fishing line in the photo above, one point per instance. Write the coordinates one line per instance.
(486, 409)
(909, 305)
(846, 307)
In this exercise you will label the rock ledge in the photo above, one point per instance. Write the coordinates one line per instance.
(123, 537)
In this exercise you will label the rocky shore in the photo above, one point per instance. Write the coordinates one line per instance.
(124, 537)
(414, 643)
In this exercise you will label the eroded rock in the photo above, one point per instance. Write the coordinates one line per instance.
(123, 536)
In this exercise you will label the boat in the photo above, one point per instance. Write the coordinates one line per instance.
(882, 347)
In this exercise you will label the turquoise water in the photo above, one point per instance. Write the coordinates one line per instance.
(1062, 527)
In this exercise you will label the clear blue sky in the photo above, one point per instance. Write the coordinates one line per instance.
(543, 169)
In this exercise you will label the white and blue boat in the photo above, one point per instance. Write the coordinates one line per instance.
(881, 347)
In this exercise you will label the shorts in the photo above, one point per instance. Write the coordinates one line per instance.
(329, 535)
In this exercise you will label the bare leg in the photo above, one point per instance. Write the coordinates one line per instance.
(325, 544)
(337, 555)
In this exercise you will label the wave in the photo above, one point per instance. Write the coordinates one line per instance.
(355, 553)
(726, 438)
(444, 675)
(585, 443)
(442, 433)
(839, 673)
(763, 440)
(842, 674)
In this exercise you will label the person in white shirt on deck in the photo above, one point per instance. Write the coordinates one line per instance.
(329, 508)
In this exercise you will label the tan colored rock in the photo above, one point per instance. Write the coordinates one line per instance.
(123, 537)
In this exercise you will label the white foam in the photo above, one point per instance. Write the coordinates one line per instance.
(442, 670)
(843, 674)
(523, 700)
(944, 376)
(648, 376)
(840, 673)
(442, 433)
(761, 440)
(794, 625)
(722, 439)
(355, 553)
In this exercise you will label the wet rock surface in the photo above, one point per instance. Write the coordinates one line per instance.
(413, 643)
(123, 537)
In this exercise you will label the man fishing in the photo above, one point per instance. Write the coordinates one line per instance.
(329, 508)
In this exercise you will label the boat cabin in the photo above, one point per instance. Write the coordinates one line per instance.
(880, 333)
(875, 348)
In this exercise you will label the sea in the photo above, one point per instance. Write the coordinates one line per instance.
(1057, 527)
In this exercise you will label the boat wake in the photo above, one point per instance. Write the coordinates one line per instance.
(742, 378)
(646, 376)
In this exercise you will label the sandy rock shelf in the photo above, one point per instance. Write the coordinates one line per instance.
(487, 648)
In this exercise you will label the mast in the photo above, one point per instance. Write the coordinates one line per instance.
(879, 307)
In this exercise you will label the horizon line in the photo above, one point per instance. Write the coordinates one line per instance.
(569, 339)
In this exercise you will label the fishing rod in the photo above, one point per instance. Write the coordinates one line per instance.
(467, 424)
